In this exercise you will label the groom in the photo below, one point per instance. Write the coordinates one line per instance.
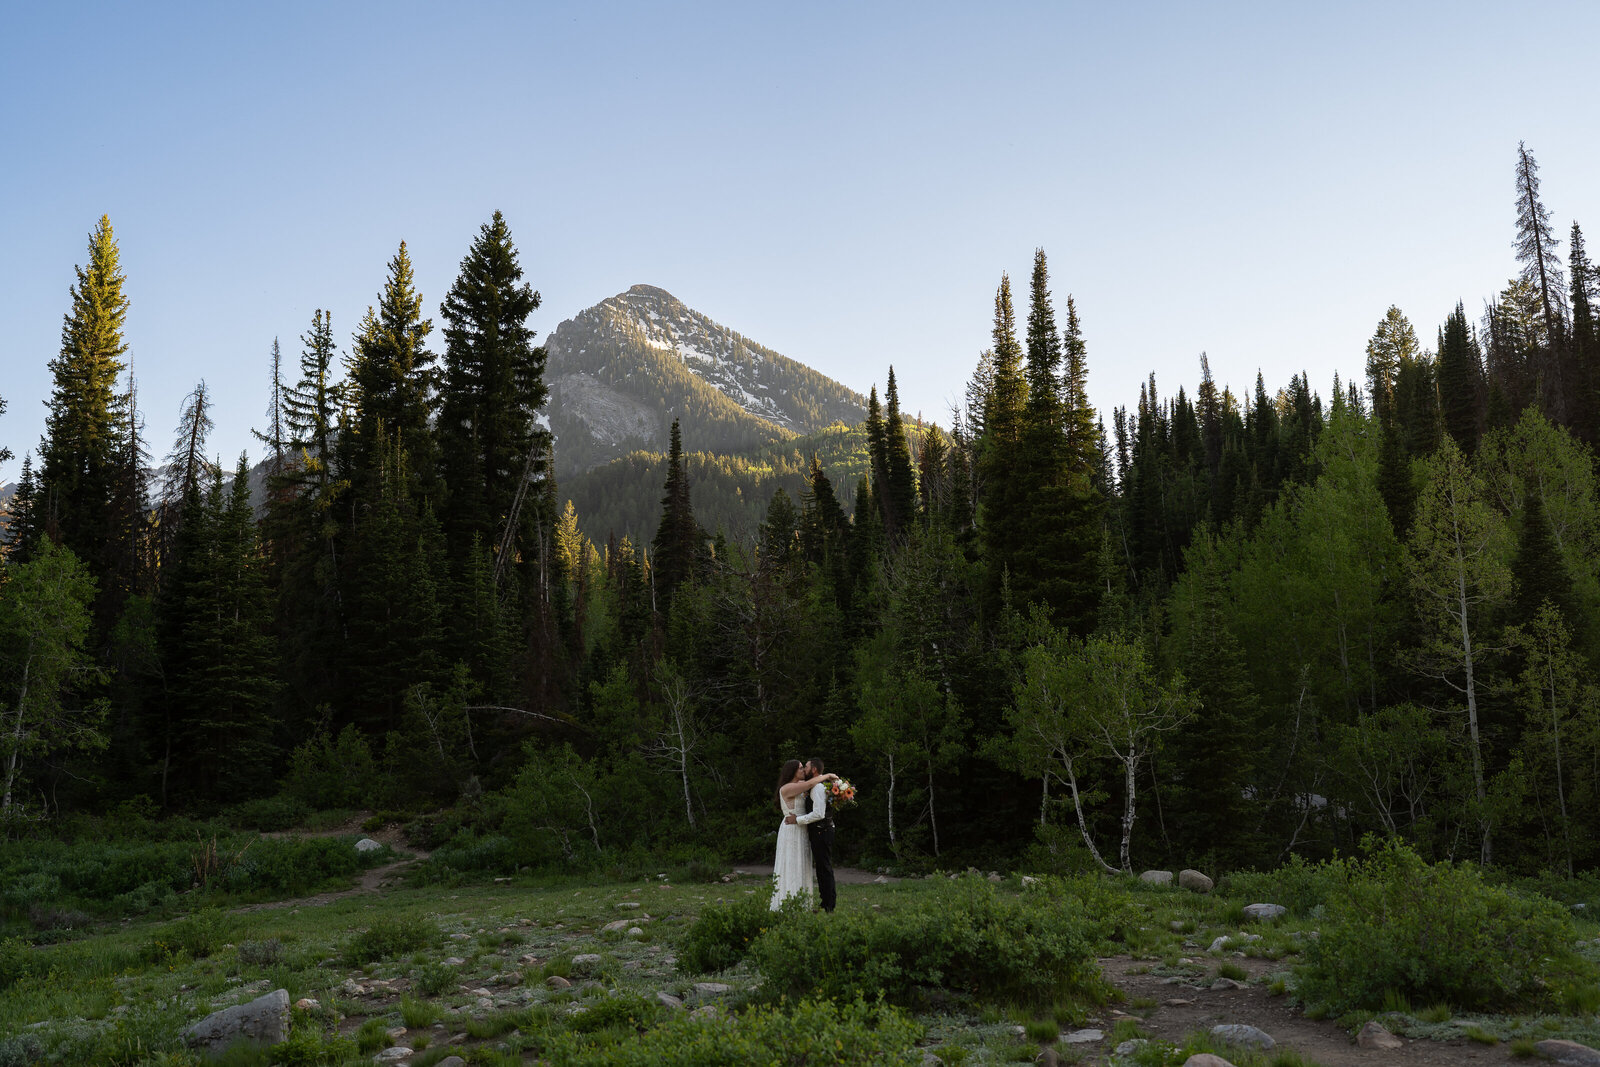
(819, 827)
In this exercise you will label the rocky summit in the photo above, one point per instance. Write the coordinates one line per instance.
(621, 371)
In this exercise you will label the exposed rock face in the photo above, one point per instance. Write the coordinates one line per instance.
(618, 373)
(262, 1021)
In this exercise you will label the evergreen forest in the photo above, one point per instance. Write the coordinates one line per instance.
(1206, 628)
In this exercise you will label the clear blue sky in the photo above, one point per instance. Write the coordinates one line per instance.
(842, 182)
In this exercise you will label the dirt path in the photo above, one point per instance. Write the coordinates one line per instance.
(1182, 1009)
(372, 881)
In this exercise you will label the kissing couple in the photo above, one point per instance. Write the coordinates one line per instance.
(804, 863)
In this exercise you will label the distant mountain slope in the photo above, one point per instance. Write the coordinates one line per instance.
(620, 372)
(730, 493)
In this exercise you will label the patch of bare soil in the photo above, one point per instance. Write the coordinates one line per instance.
(1182, 1008)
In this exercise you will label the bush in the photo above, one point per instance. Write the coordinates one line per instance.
(293, 865)
(964, 938)
(268, 814)
(1297, 885)
(624, 1013)
(390, 937)
(721, 937)
(328, 772)
(261, 954)
(1429, 933)
(196, 936)
(16, 961)
(810, 1032)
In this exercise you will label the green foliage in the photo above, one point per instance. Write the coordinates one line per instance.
(197, 935)
(328, 772)
(624, 1011)
(807, 1033)
(1437, 932)
(390, 937)
(433, 979)
(259, 954)
(1298, 885)
(722, 934)
(964, 938)
(267, 814)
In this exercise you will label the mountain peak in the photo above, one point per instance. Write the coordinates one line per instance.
(620, 371)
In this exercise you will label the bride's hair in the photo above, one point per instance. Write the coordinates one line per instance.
(785, 776)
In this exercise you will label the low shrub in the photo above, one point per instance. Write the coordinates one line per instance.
(626, 1012)
(267, 814)
(721, 937)
(16, 961)
(196, 936)
(390, 937)
(1297, 885)
(432, 979)
(260, 954)
(964, 938)
(293, 865)
(1425, 933)
(808, 1032)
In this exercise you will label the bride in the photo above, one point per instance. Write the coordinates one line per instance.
(792, 871)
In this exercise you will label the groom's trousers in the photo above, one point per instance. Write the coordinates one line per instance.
(822, 859)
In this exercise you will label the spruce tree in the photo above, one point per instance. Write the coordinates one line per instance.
(393, 383)
(1460, 381)
(1001, 450)
(877, 456)
(677, 542)
(492, 391)
(1393, 345)
(78, 466)
(1585, 339)
(1536, 246)
(899, 488)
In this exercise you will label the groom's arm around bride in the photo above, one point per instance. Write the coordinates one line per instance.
(819, 827)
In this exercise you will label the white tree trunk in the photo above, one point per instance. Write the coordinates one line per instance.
(14, 760)
(891, 798)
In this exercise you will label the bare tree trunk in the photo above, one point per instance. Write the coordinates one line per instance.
(1130, 780)
(15, 757)
(1083, 826)
(933, 819)
(1462, 601)
(1561, 788)
(891, 798)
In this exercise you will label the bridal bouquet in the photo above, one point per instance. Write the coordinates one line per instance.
(841, 792)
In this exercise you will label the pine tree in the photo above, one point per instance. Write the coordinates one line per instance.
(493, 388)
(676, 547)
(1078, 415)
(1460, 381)
(1585, 339)
(87, 417)
(1393, 344)
(21, 523)
(1539, 571)
(899, 489)
(393, 385)
(1536, 246)
(877, 457)
(1000, 455)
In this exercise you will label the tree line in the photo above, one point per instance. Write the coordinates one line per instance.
(1220, 630)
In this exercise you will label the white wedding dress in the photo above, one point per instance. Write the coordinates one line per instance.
(792, 871)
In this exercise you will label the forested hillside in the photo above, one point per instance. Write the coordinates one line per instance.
(1205, 626)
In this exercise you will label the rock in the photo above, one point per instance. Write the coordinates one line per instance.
(395, 1033)
(1219, 944)
(454, 961)
(1569, 1053)
(995, 877)
(262, 1021)
(1227, 983)
(628, 904)
(307, 1004)
(1191, 879)
(586, 962)
(617, 927)
(1263, 912)
(1156, 877)
(1206, 1059)
(1179, 1002)
(667, 1000)
(1128, 1048)
(634, 931)
(352, 988)
(451, 1061)
(555, 981)
(1373, 1035)
(707, 990)
(1082, 1037)
(367, 844)
(461, 937)
(1029, 879)
(392, 1054)
(1243, 1035)
(1048, 1057)
(880, 880)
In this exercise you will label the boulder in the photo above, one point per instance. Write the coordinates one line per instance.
(1227, 983)
(1373, 1035)
(392, 1054)
(707, 990)
(1082, 1037)
(1263, 912)
(367, 844)
(1243, 1035)
(1192, 879)
(667, 1000)
(1157, 877)
(451, 1061)
(1206, 1059)
(586, 963)
(1569, 1053)
(555, 981)
(262, 1021)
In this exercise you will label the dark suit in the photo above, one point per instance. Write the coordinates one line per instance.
(821, 834)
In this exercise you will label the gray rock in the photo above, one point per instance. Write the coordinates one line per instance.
(555, 981)
(586, 962)
(1262, 912)
(1373, 1035)
(1082, 1037)
(1128, 1048)
(635, 932)
(393, 1054)
(707, 990)
(667, 1000)
(1157, 877)
(262, 1021)
(451, 1061)
(1569, 1053)
(1227, 983)
(1192, 879)
(1243, 1036)
(1206, 1059)
(367, 844)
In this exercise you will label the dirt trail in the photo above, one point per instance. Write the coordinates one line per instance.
(1182, 1009)
(371, 881)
